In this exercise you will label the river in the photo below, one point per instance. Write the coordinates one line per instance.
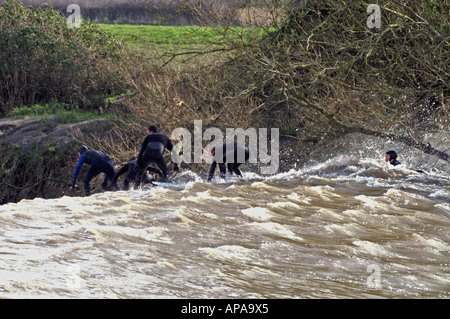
(344, 228)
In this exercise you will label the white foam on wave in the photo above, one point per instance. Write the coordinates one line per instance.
(276, 229)
(339, 229)
(285, 175)
(368, 201)
(432, 243)
(372, 248)
(301, 198)
(257, 213)
(203, 197)
(228, 252)
(441, 193)
(283, 205)
(445, 207)
(187, 179)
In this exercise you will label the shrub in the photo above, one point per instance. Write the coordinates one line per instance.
(43, 59)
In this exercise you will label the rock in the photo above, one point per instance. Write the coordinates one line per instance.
(27, 132)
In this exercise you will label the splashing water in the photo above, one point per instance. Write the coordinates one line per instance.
(346, 228)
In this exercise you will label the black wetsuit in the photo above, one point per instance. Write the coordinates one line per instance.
(131, 170)
(152, 150)
(234, 150)
(100, 163)
(395, 162)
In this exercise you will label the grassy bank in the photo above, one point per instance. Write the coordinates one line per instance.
(62, 113)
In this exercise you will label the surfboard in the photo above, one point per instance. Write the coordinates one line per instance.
(164, 184)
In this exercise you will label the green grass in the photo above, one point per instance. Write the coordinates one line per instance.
(162, 37)
(62, 113)
(174, 38)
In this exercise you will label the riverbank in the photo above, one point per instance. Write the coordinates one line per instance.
(51, 145)
(39, 154)
(36, 153)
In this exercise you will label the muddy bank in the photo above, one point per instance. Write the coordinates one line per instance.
(37, 131)
(36, 155)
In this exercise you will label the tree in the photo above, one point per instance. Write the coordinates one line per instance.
(322, 70)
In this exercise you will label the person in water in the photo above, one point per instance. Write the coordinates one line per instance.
(232, 151)
(152, 151)
(99, 163)
(391, 157)
(131, 169)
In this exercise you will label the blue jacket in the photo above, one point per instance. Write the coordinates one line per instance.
(87, 157)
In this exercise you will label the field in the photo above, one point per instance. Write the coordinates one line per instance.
(174, 38)
(179, 44)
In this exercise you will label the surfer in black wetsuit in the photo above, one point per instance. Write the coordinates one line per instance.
(99, 162)
(131, 169)
(239, 153)
(152, 150)
(391, 157)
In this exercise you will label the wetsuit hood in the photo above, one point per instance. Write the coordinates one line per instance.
(392, 155)
(82, 149)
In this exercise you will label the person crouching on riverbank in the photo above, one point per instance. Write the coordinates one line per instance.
(99, 163)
